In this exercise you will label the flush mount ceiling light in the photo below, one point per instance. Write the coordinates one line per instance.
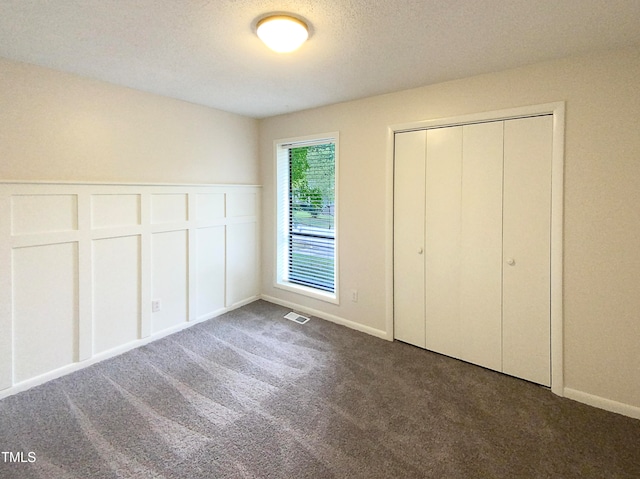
(282, 33)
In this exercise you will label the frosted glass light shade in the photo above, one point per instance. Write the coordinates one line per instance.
(281, 33)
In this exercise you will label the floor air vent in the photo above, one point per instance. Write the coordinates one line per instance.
(296, 317)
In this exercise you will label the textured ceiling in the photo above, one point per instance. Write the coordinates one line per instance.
(206, 52)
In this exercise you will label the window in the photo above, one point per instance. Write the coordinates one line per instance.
(306, 254)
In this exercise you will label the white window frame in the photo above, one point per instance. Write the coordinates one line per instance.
(281, 159)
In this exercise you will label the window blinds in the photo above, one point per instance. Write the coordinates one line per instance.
(311, 222)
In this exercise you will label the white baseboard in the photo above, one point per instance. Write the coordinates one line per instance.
(603, 403)
(63, 371)
(329, 317)
(244, 302)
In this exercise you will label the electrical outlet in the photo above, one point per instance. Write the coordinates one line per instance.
(354, 295)
(156, 305)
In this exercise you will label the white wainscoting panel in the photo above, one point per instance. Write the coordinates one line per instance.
(241, 258)
(115, 210)
(6, 294)
(241, 204)
(210, 206)
(168, 208)
(169, 279)
(116, 292)
(45, 311)
(210, 244)
(81, 264)
(43, 213)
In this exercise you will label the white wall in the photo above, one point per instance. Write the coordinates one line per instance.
(58, 126)
(81, 264)
(602, 218)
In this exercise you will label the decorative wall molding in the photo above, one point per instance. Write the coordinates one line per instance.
(81, 264)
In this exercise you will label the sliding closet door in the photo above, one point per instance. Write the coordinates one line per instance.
(472, 230)
(464, 242)
(527, 231)
(442, 240)
(481, 245)
(408, 226)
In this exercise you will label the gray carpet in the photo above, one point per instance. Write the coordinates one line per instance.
(252, 395)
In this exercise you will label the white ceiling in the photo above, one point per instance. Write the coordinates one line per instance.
(206, 52)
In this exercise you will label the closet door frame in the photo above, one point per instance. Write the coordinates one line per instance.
(557, 110)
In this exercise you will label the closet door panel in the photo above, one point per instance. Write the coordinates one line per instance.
(481, 245)
(527, 230)
(409, 218)
(442, 237)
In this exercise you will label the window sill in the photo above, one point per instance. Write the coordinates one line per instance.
(310, 292)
